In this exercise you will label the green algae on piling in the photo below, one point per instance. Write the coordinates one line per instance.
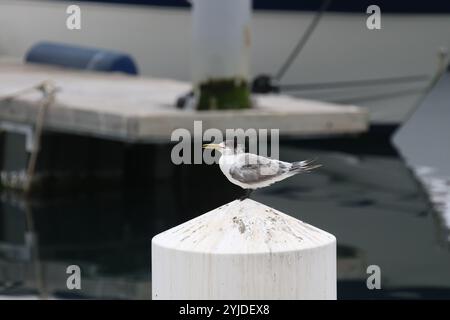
(222, 94)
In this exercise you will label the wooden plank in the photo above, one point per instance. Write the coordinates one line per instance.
(129, 108)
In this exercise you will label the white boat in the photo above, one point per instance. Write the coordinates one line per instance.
(341, 49)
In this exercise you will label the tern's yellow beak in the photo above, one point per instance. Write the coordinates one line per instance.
(212, 146)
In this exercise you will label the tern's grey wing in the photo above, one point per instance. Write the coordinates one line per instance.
(250, 168)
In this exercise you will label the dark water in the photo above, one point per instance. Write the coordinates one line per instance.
(368, 199)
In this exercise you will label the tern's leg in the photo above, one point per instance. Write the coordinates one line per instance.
(247, 194)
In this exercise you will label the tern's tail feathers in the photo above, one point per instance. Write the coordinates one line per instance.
(304, 166)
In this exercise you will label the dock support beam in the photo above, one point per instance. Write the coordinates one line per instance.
(220, 53)
(244, 250)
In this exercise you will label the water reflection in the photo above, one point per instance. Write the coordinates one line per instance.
(370, 202)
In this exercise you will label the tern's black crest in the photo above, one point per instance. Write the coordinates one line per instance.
(234, 146)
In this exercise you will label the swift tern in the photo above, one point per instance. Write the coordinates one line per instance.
(251, 171)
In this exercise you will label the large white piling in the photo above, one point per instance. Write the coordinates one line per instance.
(244, 250)
(221, 41)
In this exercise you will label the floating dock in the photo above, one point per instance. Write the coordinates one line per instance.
(104, 129)
(142, 109)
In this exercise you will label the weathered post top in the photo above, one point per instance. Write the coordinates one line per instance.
(243, 227)
(244, 250)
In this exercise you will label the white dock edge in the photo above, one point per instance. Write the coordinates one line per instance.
(136, 109)
(244, 250)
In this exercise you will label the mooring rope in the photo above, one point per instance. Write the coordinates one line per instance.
(303, 40)
(48, 90)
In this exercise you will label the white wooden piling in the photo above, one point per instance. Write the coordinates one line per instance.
(244, 250)
(221, 39)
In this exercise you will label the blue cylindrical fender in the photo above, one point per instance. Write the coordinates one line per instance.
(78, 57)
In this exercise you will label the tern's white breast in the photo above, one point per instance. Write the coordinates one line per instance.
(225, 163)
